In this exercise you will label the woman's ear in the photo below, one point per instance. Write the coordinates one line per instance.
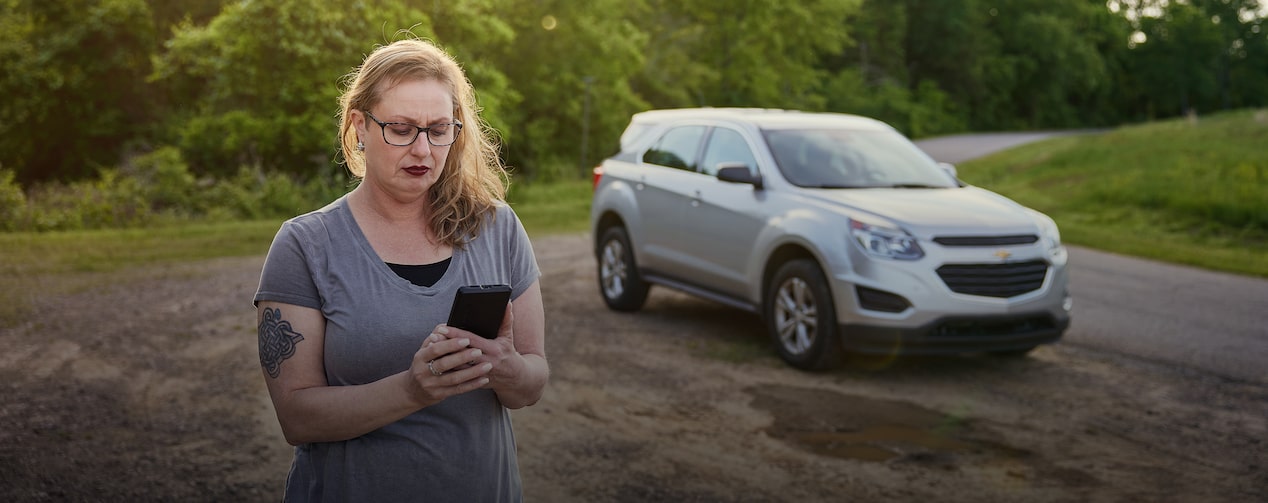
(358, 123)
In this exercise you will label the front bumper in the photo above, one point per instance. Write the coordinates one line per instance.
(896, 307)
(956, 334)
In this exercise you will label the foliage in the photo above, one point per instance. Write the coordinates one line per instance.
(94, 90)
(474, 32)
(577, 97)
(753, 53)
(926, 111)
(1199, 55)
(72, 76)
(263, 78)
(992, 65)
(157, 189)
(12, 202)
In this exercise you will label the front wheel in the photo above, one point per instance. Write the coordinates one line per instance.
(800, 316)
(619, 282)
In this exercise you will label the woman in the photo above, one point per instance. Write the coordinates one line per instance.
(383, 401)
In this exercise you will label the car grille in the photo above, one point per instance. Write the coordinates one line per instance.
(1022, 239)
(994, 280)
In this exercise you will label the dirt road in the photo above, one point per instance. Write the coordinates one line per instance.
(145, 386)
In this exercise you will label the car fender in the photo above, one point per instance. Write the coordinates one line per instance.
(823, 235)
(616, 196)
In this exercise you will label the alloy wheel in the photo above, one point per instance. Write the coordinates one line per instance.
(796, 316)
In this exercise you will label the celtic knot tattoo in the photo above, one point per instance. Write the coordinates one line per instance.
(277, 341)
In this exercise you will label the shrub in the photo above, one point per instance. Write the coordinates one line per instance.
(12, 202)
(165, 180)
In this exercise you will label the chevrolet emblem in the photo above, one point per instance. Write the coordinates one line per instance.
(1003, 254)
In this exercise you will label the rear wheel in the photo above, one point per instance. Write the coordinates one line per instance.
(619, 282)
(800, 317)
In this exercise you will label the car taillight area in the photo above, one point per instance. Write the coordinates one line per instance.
(598, 173)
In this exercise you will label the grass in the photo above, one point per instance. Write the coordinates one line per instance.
(553, 208)
(1181, 191)
(42, 261)
(108, 250)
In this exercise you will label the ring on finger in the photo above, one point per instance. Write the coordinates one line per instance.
(433, 369)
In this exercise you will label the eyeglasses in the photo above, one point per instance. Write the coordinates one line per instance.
(403, 135)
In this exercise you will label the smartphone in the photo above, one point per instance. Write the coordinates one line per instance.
(479, 309)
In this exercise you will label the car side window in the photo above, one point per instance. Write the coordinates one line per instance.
(677, 148)
(727, 145)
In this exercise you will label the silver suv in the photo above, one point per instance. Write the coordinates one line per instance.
(836, 229)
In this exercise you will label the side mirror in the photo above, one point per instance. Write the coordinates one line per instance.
(950, 169)
(738, 172)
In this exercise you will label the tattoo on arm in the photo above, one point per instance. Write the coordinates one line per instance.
(277, 341)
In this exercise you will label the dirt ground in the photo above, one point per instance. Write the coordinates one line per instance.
(144, 385)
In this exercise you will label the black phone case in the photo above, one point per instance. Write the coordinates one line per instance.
(479, 309)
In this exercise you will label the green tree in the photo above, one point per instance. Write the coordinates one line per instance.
(72, 74)
(872, 75)
(475, 34)
(1055, 50)
(741, 53)
(564, 55)
(259, 84)
(1238, 64)
(1176, 62)
(1200, 55)
(170, 13)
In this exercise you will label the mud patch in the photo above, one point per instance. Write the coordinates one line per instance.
(867, 429)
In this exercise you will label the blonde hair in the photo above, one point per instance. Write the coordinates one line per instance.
(474, 180)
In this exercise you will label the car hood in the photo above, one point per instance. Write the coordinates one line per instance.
(923, 212)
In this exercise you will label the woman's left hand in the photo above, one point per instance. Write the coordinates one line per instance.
(519, 370)
(500, 352)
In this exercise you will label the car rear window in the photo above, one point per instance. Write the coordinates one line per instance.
(677, 148)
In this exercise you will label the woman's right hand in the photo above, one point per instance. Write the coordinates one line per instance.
(442, 368)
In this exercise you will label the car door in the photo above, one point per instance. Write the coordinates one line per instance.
(662, 192)
(722, 218)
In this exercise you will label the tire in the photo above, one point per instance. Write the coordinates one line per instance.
(801, 318)
(623, 289)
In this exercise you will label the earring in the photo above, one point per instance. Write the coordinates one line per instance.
(360, 146)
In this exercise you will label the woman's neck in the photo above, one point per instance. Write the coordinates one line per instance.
(398, 232)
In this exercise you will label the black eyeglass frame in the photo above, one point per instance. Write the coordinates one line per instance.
(420, 130)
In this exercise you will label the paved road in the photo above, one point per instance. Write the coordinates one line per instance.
(962, 147)
(1208, 321)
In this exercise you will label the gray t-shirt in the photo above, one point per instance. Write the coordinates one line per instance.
(461, 449)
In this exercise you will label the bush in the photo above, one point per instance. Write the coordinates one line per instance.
(110, 201)
(165, 180)
(12, 203)
(158, 187)
(253, 194)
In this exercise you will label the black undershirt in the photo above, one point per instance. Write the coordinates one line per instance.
(421, 275)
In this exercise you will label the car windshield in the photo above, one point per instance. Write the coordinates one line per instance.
(844, 158)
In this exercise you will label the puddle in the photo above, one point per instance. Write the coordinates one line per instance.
(860, 428)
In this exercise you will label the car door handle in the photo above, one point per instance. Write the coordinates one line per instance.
(695, 201)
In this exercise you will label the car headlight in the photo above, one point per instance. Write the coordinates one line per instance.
(885, 242)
